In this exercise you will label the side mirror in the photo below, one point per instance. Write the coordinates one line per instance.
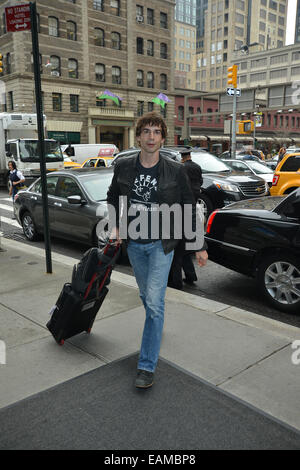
(76, 200)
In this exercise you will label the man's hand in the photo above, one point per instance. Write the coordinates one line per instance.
(114, 235)
(201, 257)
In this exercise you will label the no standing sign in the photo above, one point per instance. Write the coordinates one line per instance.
(18, 18)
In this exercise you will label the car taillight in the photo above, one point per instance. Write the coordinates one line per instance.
(210, 220)
(275, 180)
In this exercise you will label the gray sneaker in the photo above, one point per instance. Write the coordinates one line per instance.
(144, 379)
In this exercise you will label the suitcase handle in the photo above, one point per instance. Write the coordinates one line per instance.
(106, 274)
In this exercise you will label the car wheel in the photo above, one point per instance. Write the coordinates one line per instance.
(28, 226)
(279, 280)
(206, 204)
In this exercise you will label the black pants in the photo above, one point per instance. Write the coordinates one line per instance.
(181, 260)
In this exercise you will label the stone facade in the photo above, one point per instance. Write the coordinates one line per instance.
(71, 30)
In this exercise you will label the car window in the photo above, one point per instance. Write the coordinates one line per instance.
(291, 164)
(96, 185)
(37, 186)
(90, 163)
(101, 162)
(68, 187)
(51, 185)
(209, 163)
(239, 166)
(259, 168)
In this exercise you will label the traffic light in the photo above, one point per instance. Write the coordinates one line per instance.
(245, 127)
(232, 75)
(1, 63)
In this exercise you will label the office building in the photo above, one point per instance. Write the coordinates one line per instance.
(87, 47)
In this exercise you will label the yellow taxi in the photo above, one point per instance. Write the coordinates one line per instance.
(97, 162)
(287, 175)
(68, 162)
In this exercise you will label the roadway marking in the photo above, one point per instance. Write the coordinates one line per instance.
(6, 208)
(8, 221)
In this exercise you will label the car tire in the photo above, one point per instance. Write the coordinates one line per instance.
(278, 278)
(29, 228)
(206, 204)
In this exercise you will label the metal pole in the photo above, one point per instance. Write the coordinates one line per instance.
(254, 131)
(233, 139)
(40, 123)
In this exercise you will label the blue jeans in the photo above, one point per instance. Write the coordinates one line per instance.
(151, 269)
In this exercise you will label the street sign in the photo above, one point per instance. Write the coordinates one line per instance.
(230, 91)
(258, 119)
(18, 18)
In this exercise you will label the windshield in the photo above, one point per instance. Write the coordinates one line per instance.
(209, 163)
(29, 151)
(259, 168)
(96, 185)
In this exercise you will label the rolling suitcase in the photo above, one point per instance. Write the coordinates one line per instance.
(79, 301)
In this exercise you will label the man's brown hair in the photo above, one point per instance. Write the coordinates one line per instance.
(151, 119)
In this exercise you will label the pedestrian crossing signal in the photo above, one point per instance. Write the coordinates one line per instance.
(232, 75)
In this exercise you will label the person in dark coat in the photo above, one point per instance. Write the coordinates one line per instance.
(183, 259)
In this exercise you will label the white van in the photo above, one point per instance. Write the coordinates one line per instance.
(80, 152)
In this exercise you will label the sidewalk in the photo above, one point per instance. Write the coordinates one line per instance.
(242, 354)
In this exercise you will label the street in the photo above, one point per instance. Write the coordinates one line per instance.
(214, 281)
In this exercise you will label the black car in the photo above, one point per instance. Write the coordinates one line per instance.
(76, 201)
(261, 239)
(221, 184)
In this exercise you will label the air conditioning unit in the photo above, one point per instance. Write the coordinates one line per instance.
(55, 73)
(139, 18)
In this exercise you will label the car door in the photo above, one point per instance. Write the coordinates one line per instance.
(72, 221)
(36, 202)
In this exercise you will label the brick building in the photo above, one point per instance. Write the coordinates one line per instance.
(87, 46)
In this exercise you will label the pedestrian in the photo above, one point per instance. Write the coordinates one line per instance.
(150, 181)
(16, 178)
(281, 154)
(182, 259)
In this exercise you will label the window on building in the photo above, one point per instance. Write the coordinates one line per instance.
(163, 51)
(163, 20)
(150, 48)
(11, 100)
(209, 118)
(140, 78)
(115, 40)
(150, 16)
(140, 11)
(180, 113)
(55, 65)
(99, 37)
(163, 111)
(71, 31)
(116, 75)
(56, 101)
(100, 103)
(100, 72)
(74, 103)
(163, 81)
(4, 23)
(115, 7)
(53, 26)
(139, 45)
(150, 106)
(140, 108)
(150, 80)
(8, 64)
(98, 5)
(73, 68)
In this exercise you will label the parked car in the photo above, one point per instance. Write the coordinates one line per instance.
(221, 185)
(287, 175)
(80, 152)
(272, 163)
(74, 197)
(241, 155)
(261, 239)
(97, 162)
(251, 166)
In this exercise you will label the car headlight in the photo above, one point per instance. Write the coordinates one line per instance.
(227, 187)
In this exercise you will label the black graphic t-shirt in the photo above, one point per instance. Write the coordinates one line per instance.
(143, 204)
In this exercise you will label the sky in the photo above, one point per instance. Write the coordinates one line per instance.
(291, 16)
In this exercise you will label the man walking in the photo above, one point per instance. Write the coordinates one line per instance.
(149, 180)
(182, 258)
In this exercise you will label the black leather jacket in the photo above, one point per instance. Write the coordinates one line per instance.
(173, 187)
